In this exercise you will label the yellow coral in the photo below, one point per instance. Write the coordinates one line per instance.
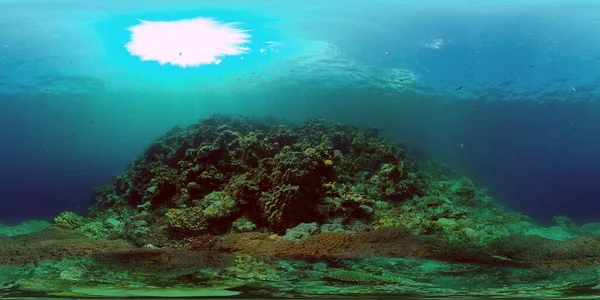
(400, 166)
(172, 212)
(242, 261)
(386, 221)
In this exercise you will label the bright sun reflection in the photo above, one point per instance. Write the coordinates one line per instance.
(186, 43)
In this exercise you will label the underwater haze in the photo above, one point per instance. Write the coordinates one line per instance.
(505, 93)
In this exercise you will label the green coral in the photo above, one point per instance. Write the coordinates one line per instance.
(253, 268)
(187, 220)
(27, 227)
(350, 276)
(553, 233)
(109, 228)
(218, 205)
(243, 224)
(69, 220)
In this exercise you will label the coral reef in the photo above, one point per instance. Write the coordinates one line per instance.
(234, 201)
(203, 178)
(313, 182)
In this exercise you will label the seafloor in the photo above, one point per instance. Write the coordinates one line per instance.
(240, 207)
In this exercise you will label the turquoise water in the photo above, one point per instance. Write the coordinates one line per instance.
(505, 92)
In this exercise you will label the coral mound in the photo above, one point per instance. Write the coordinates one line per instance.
(209, 177)
(321, 208)
(298, 209)
(235, 175)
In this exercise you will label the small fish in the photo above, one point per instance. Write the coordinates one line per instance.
(574, 90)
(458, 88)
(386, 53)
(538, 100)
(462, 145)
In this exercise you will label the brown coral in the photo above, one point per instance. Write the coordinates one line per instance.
(53, 243)
(170, 262)
(296, 187)
(187, 220)
(536, 251)
(388, 242)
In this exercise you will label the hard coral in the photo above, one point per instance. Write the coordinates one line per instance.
(53, 243)
(293, 190)
(69, 220)
(167, 262)
(187, 220)
(273, 174)
(536, 251)
(388, 242)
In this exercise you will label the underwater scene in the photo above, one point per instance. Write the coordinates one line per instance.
(259, 149)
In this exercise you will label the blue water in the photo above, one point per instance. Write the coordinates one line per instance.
(76, 108)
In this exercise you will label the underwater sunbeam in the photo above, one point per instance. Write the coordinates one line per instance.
(186, 43)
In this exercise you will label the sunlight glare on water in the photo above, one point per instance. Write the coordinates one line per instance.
(187, 43)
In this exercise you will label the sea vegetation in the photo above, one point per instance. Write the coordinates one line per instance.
(316, 207)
